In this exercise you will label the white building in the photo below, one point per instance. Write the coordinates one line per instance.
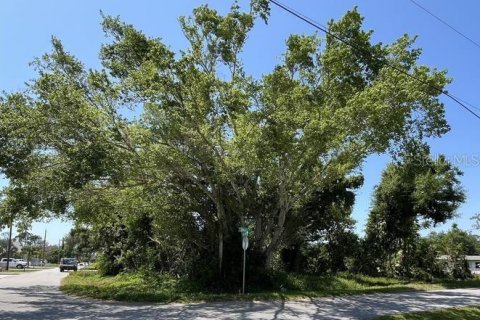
(473, 263)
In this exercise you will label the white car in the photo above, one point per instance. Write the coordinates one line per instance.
(14, 263)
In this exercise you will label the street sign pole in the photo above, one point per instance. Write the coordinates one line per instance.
(9, 246)
(244, 231)
(44, 244)
(244, 260)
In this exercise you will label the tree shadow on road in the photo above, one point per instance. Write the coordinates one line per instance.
(372, 305)
(48, 303)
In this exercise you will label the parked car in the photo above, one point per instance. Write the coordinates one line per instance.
(68, 264)
(14, 263)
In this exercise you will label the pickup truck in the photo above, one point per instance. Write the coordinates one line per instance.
(68, 264)
(14, 263)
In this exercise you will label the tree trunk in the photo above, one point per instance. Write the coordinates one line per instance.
(268, 259)
(220, 248)
(222, 227)
(258, 229)
(277, 235)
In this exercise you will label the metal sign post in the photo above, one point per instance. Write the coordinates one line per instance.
(9, 246)
(244, 231)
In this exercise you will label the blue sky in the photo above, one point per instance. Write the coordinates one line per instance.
(27, 26)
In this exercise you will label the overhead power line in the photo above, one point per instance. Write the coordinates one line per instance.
(446, 23)
(324, 29)
(466, 102)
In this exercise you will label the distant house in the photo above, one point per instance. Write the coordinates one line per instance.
(472, 261)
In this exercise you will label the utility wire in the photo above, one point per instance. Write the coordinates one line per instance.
(387, 64)
(466, 102)
(445, 23)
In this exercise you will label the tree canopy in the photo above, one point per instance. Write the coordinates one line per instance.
(415, 192)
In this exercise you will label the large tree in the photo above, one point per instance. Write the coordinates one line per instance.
(211, 148)
(415, 192)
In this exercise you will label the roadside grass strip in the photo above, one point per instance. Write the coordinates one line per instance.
(165, 288)
(463, 313)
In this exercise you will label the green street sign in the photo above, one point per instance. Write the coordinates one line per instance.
(244, 231)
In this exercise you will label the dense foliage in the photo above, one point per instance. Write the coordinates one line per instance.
(415, 192)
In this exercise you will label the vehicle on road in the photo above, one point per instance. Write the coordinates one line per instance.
(68, 264)
(13, 263)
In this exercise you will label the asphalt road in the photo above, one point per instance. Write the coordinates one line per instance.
(35, 295)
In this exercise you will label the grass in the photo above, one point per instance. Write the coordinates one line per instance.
(15, 271)
(134, 287)
(464, 313)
